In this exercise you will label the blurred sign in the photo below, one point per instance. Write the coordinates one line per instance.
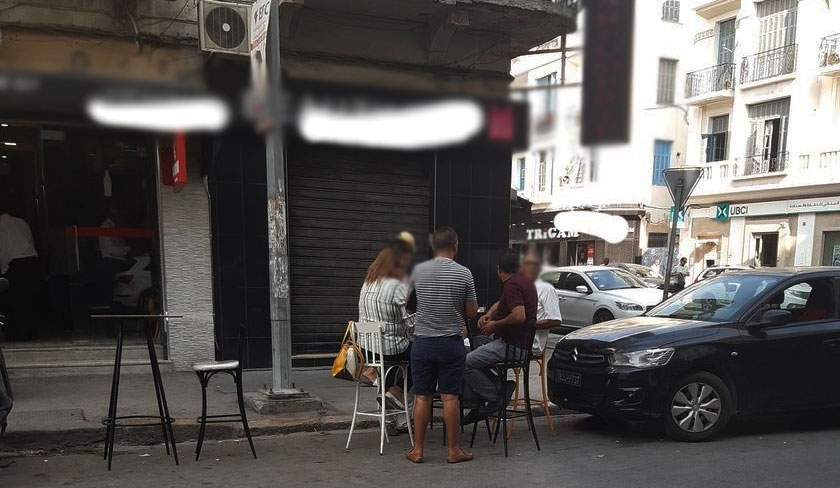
(607, 72)
(259, 33)
(173, 162)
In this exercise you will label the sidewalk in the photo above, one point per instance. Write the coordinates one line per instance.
(65, 413)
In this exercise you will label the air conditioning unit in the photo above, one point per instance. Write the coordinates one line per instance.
(224, 26)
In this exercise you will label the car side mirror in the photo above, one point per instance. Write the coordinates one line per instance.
(773, 318)
(582, 289)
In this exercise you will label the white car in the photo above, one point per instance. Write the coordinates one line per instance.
(592, 294)
(135, 284)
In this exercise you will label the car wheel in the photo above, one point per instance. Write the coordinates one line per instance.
(697, 408)
(602, 316)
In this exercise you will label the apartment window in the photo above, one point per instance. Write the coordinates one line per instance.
(726, 42)
(667, 80)
(661, 160)
(542, 172)
(717, 140)
(671, 11)
(657, 239)
(549, 95)
(767, 142)
(520, 168)
(777, 23)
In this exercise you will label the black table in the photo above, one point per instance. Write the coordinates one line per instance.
(163, 418)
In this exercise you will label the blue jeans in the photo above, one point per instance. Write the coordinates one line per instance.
(481, 383)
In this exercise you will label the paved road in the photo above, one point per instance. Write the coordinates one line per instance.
(587, 453)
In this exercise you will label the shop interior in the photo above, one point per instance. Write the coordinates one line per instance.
(89, 198)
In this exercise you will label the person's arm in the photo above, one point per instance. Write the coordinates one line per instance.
(488, 315)
(470, 300)
(551, 308)
(516, 317)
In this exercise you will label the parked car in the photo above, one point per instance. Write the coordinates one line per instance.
(593, 294)
(644, 273)
(753, 341)
(134, 286)
(713, 271)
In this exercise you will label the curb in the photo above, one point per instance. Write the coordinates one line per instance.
(91, 439)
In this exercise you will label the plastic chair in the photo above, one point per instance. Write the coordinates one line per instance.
(205, 371)
(542, 402)
(368, 336)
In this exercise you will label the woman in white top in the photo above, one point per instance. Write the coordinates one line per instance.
(383, 299)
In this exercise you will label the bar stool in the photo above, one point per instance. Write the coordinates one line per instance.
(542, 402)
(163, 419)
(208, 369)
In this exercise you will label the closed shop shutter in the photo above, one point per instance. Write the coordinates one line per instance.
(344, 206)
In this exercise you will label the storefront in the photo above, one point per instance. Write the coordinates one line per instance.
(797, 232)
(568, 247)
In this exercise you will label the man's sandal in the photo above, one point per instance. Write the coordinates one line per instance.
(461, 457)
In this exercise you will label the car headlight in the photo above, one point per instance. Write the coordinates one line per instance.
(648, 358)
(629, 306)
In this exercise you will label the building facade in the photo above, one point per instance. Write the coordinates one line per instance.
(204, 248)
(763, 91)
(557, 173)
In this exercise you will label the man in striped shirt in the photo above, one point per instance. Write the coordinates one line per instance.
(446, 298)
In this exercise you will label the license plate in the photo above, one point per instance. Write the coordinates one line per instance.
(568, 378)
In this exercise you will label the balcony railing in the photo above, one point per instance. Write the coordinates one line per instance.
(768, 64)
(710, 80)
(830, 51)
(760, 164)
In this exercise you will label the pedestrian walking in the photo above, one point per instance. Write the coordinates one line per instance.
(446, 298)
(605, 262)
(510, 321)
(383, 299)
(19, 264)
(680, 271)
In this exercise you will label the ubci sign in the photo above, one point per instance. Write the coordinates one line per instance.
(725, 211)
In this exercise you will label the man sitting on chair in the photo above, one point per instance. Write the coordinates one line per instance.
(548, 305)
(510, 321)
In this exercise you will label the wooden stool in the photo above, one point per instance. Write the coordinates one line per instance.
(535, 402)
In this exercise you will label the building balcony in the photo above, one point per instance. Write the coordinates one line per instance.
(762, 164)
(710, 84)
(711, 9)
(768, 64)
(829, 56)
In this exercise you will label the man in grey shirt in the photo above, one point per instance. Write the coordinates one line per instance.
(446, 298)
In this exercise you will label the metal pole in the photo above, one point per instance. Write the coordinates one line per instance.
(672, 240)
(278, 250)
(563, 59)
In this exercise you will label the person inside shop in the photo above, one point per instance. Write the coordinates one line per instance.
(680, 271)
(510, 321)
(114, 254)
(19, 264)
(605, 262)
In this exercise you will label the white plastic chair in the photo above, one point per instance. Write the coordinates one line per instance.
(368, 336)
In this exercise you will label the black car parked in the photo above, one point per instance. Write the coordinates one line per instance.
(746, 341)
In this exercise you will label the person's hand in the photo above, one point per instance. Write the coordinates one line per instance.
(489, 327)
(483, 321)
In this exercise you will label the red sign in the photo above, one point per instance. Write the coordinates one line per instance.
(500, 124)
(173, 162)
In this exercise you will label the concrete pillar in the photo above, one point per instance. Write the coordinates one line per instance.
(187, 268)
(804, 239)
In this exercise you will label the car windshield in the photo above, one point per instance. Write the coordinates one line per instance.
(642, 271)
(720, 299)
(614, 279)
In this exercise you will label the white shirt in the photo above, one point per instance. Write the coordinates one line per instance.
(15, 241)
(112, 247)
(548, 308)
(681, 272)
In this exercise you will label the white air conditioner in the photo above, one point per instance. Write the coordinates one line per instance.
(224, 26)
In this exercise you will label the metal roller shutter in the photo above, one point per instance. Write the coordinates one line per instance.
(344, 206)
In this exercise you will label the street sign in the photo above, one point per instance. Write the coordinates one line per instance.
(681, 182)
(722, 212)
(680, 216)
(259, 33)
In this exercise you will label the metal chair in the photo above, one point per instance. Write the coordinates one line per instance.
(515, 358)
(208, 369)
(541, 402)
(368, 336)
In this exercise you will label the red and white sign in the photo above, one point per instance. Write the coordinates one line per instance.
(173, 162)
